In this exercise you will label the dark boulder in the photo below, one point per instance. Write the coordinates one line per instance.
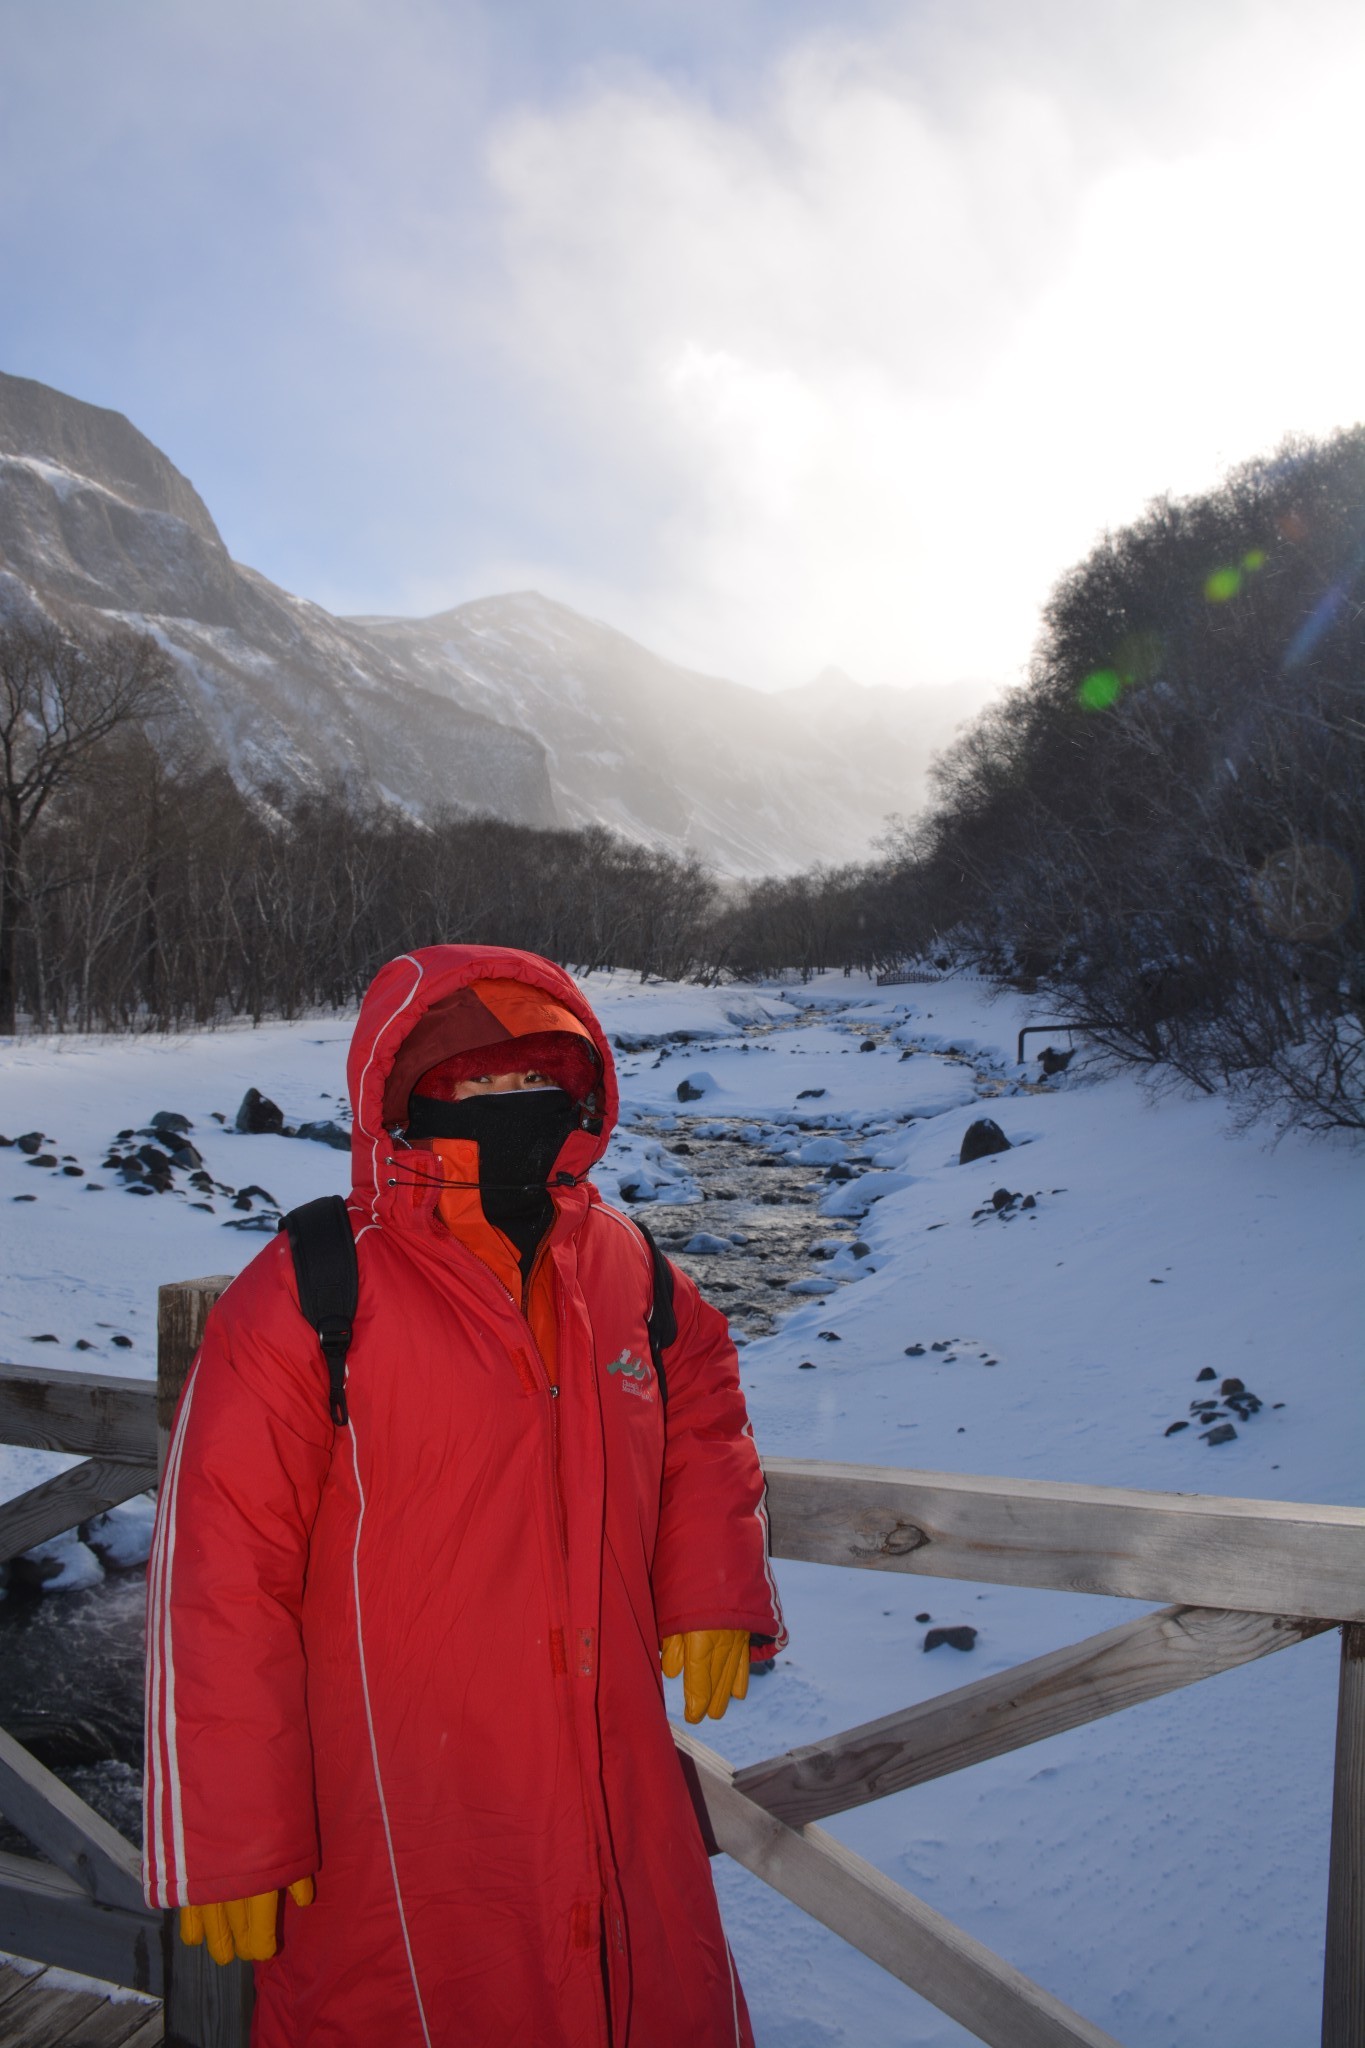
(1053, 1062)
(955, 1638)
(171, 1121)
(259, 1116)
(980, 1139)
(31, 1142)
(687, 1093)
(326, 1133)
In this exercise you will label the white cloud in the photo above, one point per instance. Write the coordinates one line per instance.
(871, 361)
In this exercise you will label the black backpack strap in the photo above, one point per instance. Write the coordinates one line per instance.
(328, 1277)
(661, 1324)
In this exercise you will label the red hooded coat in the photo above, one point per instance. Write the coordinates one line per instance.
(418, 1655)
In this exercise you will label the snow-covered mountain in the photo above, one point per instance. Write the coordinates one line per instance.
(754, 781)
(513, 704)
(93, 518)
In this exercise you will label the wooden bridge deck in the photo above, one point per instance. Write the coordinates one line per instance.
(51, 2009)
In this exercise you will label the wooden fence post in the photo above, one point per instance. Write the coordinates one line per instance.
(207, 2005)
(182, 1310)
(1343, 1980)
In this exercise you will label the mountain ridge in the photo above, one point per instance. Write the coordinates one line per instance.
(513, 704)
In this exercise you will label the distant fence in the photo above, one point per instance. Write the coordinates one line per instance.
(908, 973)
(1248, 1577)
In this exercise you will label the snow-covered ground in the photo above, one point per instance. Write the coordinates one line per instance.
(1164, 1870)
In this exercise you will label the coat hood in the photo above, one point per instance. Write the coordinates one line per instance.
(405, 993)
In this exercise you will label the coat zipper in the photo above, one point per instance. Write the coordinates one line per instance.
(553, 1391)
(613, 1931)
(562, 1516)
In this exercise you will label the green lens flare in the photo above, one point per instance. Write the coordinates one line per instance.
(1222, 585)
(1254, 560)
(1099, 690)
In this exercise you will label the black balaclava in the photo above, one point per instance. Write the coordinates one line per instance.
(519, 1133)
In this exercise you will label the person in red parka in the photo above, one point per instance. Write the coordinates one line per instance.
(406, 1740)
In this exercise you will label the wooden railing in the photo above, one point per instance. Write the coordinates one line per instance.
(82, 1907)
(1249, 1576)
(1246, 1578)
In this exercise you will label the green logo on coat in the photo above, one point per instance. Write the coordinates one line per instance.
(634, 1368)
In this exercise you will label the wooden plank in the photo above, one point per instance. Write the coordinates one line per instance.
(1343, 1986)
(1256, 1557)
(953, 1971)
(15, 1983)
(45, 2019)
(1138, 1661)
(45, 1915)
(69, 1833)
(93, 1414)
(114, 2023)
(69, 1497)
(88, 2015)
(150, 2031)
(181, 1313)
(208, 2004)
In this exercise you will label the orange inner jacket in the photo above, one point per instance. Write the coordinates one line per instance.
(461, 1211)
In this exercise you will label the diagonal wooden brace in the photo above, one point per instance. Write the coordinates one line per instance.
(69, 1498)
(844, 1892)
(1138, 1661)
(69, 1832)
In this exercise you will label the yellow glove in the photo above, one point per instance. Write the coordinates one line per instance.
(714, 1663)
(240, 1927)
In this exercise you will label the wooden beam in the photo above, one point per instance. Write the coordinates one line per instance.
(182, 1310)
(1254, 1556)
(68, 1498)
(70, 1833)
(1343, 1985)
(953, 1971)
(208, 2004)
(150, 2034)
(1064, 1689)
(87, 1413)
(46, 1917)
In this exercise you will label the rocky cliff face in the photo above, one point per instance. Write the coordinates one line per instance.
(513, 705)
(94, 519)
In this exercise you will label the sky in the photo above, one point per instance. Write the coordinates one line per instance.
(778, 333)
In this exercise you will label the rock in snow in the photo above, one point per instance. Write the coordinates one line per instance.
(980, 1139)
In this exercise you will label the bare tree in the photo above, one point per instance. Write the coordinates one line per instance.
(61, 696)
